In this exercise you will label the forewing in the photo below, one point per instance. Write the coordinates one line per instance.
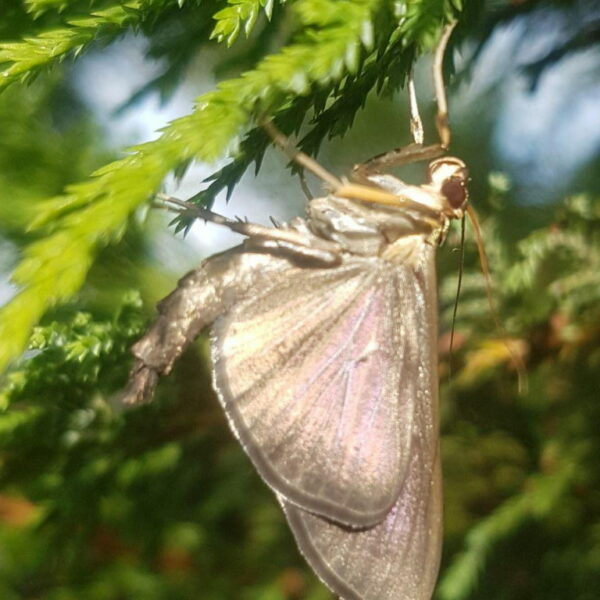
(309, 374)
(397, 559)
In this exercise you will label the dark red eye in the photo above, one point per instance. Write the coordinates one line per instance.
(455, 191)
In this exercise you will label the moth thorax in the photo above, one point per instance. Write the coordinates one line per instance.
(450, 176)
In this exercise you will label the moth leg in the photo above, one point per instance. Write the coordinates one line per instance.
(416, 124)
(304, 185)
(397, 157)
(236, 225)
(300, 157)
(441, 120)
(302, 244)
(416, 152)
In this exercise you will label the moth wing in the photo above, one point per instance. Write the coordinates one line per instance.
(398, 558)
(310, 375)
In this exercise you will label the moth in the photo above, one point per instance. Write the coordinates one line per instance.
(323, 335)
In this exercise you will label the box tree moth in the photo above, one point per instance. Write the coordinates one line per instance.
(323, 339)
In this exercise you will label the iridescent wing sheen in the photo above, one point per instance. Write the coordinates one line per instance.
(318, 375)
(306, 374)
(397, 559)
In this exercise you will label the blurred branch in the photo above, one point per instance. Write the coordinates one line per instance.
(539, 499)
(583, 39)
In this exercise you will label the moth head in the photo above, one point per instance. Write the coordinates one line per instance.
(449, 176)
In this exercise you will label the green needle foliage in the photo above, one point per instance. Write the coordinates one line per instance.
(336, 40)
(102, 503)
(24, 58)
(238, 14)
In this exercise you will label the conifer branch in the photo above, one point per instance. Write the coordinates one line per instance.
(239, 14)
(21, 60)
(94, 213)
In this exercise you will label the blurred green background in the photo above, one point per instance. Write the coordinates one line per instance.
(159, 502)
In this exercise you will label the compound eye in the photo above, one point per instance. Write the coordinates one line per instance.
(455, 191)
